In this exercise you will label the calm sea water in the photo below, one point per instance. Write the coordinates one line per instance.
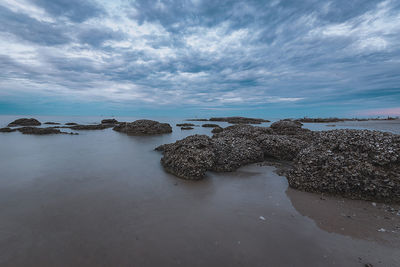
(101, 198)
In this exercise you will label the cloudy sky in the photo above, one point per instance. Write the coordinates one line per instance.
(200, 57)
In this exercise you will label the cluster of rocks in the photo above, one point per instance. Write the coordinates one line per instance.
(139, 127)
(234, 120)
(237, 120)
(329, 120)
(143, 127)
(358, 164)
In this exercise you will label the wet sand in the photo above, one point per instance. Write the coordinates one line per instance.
(103, 199)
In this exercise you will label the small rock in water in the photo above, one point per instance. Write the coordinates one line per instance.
(382, 230)
(374, 204)
(262, 218)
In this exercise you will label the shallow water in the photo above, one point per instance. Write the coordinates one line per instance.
(102, 199)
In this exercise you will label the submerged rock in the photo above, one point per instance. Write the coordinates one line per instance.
(91, 127)
(185, 124)
(7, 130)
(187, 128)
(210, 125)
(40, 131)
(71, 123)
(143, 127)
(109, 121)
(51, 123)
(25, 122)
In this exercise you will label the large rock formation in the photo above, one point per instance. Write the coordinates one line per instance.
(352, 163)
(25, 122)
(143, 127)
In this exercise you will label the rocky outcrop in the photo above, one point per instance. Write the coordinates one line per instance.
(187, 128)
(188, 158)
(236, 120)
(25, 122)
(109, 121)
(352, 163)
(357, 164)
(41, 131)
(217, 130)
(197, 119)
(209, 125)
(91, 127)
(7, 130)
(185, 125)
(143, 127)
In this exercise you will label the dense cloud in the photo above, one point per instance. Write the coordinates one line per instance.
(306, 56)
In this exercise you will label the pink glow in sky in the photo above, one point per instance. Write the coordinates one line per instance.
(381, 112)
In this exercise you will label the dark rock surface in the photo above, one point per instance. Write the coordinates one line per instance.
(210, 125)
(25, 122)
(236, 120)
(51, 123)
(7, 130)
(91, 127)
(185, 124)
(217, 129)
(187, 128)
(197, 119)
(109, 121)
(71, 123)
(357, 164)
(40, 131)
(143, 127)
(188, 158)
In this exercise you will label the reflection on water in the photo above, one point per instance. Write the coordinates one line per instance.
(102, 199)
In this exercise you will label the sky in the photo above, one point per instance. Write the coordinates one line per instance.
(200, 58)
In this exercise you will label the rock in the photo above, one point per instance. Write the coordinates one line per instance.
(187, 128)
(280, 146)
(143, 127)
(188, 158)
(197, 120)
(40, 131)
(7, 130)
(235, 120)
(25, 122)
(91, 127)
(217, 129)
(109, 121)
(185, 124)
(358, 164)
(71, 123)
(210, 125)
(52, 123)
(234, 152)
